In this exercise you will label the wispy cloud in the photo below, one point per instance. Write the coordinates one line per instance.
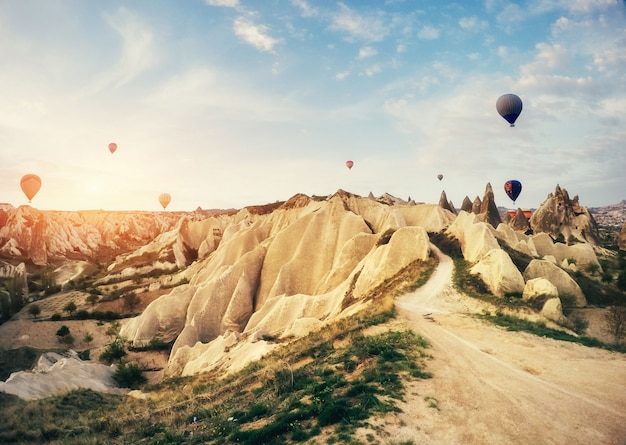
(367, 51)
(473, 24)
(306, 9)
(428, 33)
(226, 3)
(367, 27)
(255, 35)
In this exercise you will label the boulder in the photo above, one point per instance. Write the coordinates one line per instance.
(499, 273)
(567, 287)
(476, 237)
(553, 310)
(539, 288)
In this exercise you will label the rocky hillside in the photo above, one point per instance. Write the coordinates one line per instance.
(285, 269)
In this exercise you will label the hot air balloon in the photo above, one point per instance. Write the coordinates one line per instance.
(349, 164)
(164, 199)
(509, 106)
(513, 188)
(440, 176)
(30, 185)
(112, 147)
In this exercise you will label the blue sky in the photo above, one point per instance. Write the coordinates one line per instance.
(228, 103)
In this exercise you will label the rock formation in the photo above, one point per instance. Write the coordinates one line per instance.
(519, 221)
(560, 216)
(567, 287)
(444, 203)
(488, 209)
(466, 205)
(476, 205)
(42, 236)
(284, 273)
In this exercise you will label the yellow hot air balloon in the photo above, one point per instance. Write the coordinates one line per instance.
(164, 199)
(30, 185)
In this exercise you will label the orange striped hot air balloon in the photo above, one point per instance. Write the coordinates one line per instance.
(30, 185)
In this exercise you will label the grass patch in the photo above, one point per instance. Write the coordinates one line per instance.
(516, 324)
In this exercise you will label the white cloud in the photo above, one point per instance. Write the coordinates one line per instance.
(342, 75)
(307, 10)
(227, 3)
(372, 70)
(367, 51)
(363, 27)
(255, 35)
(138, 51)
(473, 24)
(428, 33)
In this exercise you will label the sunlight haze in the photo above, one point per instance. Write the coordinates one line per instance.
(228, 103)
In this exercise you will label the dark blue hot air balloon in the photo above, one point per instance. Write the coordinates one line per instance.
(509, 106)
(513, 188)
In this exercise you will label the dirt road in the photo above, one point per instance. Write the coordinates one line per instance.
(491, 386)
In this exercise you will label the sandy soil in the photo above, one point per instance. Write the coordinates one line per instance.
(491, 386)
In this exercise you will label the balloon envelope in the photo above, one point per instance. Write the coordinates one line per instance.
(30, 185)
(349, 164)
(440, 177)
(112, 147)
(513, 188)
(509, 106)
(164, 199)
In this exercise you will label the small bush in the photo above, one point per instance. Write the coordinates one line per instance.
(115, 351)
(129, 375)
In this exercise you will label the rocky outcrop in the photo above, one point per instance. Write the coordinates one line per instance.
(476, 205)
(580, 254)
(488, 209)
(541, 294)
(445, 204)
(477, 238)
(519, 221)
(567, 287)
(284, 273)
(498, 272)
(562, 217)
(466, 205)
(44, 235)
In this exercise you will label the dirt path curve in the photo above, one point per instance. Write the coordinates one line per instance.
(491, 386)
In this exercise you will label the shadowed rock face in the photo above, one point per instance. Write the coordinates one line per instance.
(445, 204)
(560, 215)
(621, 238)
(519, 222)
(488, 208)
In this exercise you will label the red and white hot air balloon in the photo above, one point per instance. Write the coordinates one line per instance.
(349, 164)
